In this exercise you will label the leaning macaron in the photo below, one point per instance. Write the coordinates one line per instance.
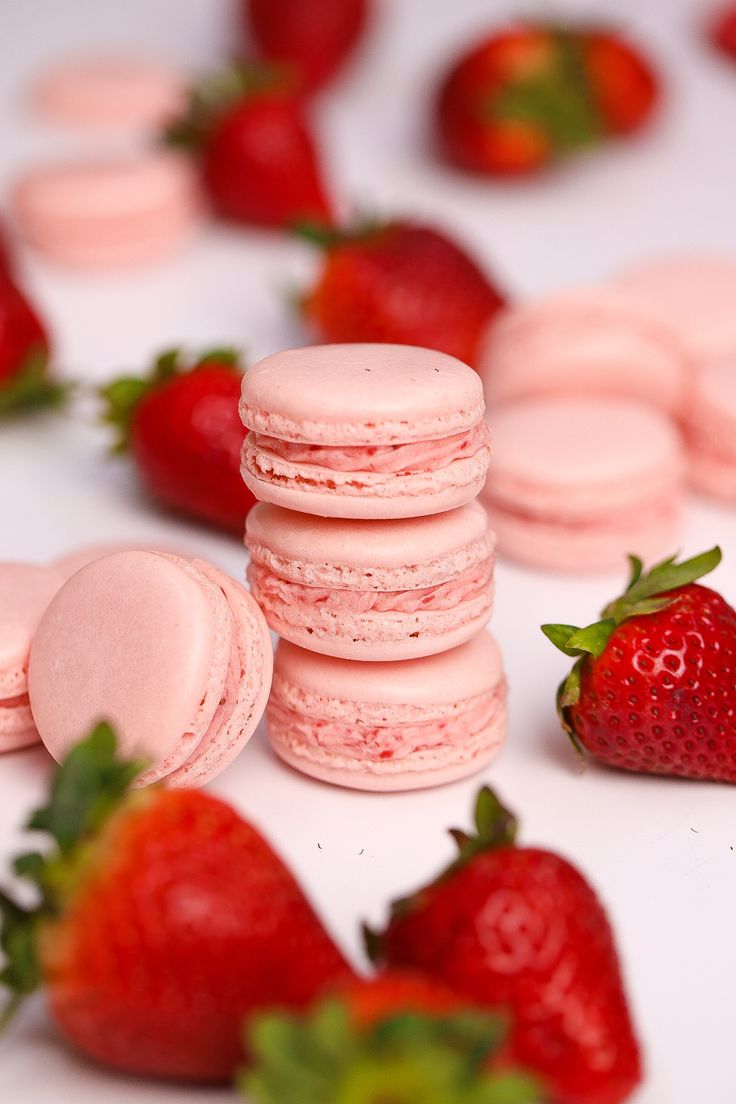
(710, 431)
(389, 726)
(25, 592)
(579, 342)
(364, 431)
(111, 91)
(372, 590)
(576, 484)
(173, 653)
(694, 297)
(109, 213)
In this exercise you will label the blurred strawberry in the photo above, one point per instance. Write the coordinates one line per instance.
(24, 354)
(531, 94)
(258, 157)
(722, 31)
(182, 427)
(392, 1039)
(311, 37)
(401, 282)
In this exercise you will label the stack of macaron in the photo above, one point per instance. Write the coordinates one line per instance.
(373, 562)
(603, 400)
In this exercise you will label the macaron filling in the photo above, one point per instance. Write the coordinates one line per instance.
(384, 739)
(644, 514)
(395, 459)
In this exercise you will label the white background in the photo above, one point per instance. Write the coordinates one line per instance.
(660, 851)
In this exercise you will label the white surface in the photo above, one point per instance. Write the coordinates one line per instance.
(661, 852)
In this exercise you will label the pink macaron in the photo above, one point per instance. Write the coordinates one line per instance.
(111, 91)
(710, 431)
(109, 213)
(576, 484)
(694, 297)
(364, 431)
(25, 592)
(173, 653)
(579, 342)
(372, 590)
(389, 726)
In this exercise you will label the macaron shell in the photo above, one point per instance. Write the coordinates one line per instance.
(253, 683)
(136, 639)
(17, 728)
(77, 558)
(25, 592)
(367, 394)
(111, 90)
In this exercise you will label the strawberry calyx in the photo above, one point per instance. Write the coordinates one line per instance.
(558, 99)
(87, 788)
(212, 96)
(495, 827)
(331, 237)
(123, 396)
(401, 1059)
(646, 593)
(30, 388)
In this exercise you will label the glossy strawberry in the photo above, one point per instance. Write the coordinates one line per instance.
(529, 95)
(24, 353)
(310, 37)
(519, 928)
(163, 920)
(180, 424)
(405, 283)
(395, 1038)
(722, 31)
(653, 686)
(259, 160)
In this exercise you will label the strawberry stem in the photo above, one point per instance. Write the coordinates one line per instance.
(31, 388)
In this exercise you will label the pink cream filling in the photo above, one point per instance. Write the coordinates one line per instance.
(614, 520)
(379, 743)
(472, 584)
(15, 703)
(414, 456)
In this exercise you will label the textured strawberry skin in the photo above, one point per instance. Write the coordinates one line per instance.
(405, 284)
(311, 36)
(21, 331)
(183, 923)
(622, 82)
(260, 165)
(520, 927)
(661, 697)
(186, 438)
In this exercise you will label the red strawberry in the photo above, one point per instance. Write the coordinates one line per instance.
(521, 928)
(164, 919)
(311, 37)
(405, 283)
(622, 81)
(24, 352)
(722, 31)
(652, 688)
(182, 426)
(529, 95)
(396, 1039)
(259, 161)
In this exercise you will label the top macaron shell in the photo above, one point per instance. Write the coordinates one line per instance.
(584, 341)
(373, 399)
(153, 644)
(372, 590)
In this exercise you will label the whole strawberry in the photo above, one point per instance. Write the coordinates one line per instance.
(394, 1038)
(310, 37)
(534, 93)
(401, 282)
(24, 353)
(258, 157)
(652, 688)
(722, 31)
(164, 919)
(182, 428)
(521, 929)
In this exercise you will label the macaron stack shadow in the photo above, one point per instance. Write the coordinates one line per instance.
(369, 556)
